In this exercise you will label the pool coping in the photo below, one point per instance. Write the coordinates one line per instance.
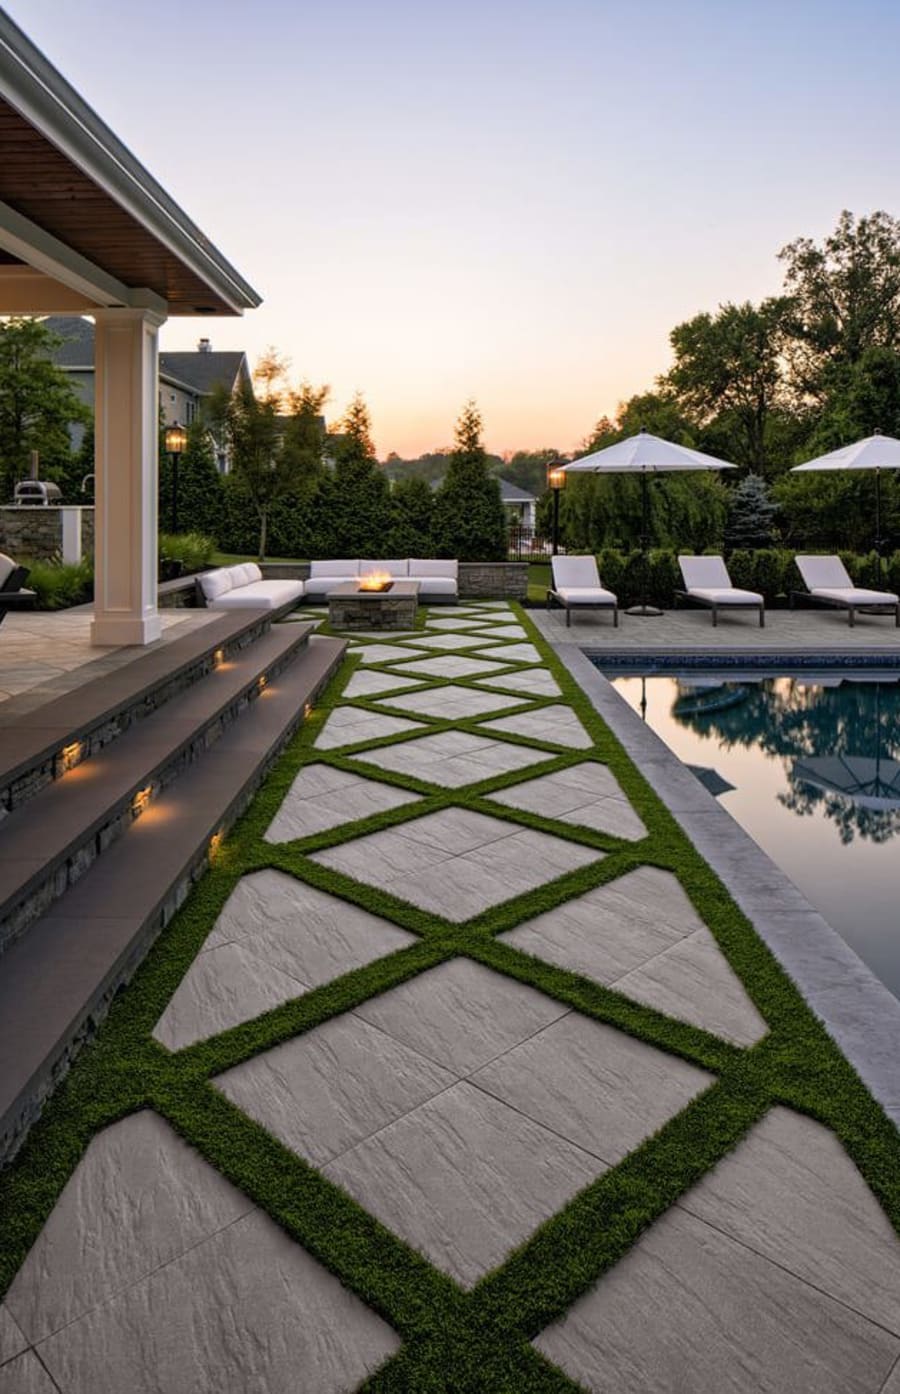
(860, 1014)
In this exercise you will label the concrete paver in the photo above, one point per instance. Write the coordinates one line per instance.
(346, 725)
(452, 759)
(557, 724)
(452, 703)
(322, 797)
(587, 795)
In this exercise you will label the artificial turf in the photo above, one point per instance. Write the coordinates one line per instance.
(474, 1341)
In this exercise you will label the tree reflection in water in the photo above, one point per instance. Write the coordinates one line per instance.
(801, 721)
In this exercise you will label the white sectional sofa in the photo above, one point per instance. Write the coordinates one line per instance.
(438, 579)
(243, 588)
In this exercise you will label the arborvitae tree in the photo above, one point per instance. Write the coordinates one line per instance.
(469, 519)
(37, 404)
(412, 506)
(199, 484)
(354, 501)
(751, 515)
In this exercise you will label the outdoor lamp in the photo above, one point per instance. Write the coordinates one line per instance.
(556, 480)
(176, 442)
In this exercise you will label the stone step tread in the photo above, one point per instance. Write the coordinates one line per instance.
(39, 835)
(28, 738)
(96, 934)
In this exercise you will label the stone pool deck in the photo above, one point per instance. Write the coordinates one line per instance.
(452, 976)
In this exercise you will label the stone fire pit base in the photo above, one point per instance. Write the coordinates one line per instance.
(394, 608)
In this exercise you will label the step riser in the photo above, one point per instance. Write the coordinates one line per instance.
(38, 776)
(16, 918)
(22, 1110)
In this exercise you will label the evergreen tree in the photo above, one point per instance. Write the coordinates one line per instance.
(37, 404)
(303, 436)
(751, 515)
(412, 506)
(354, 501)
(261, 472)
(469, 519)
(200, 500)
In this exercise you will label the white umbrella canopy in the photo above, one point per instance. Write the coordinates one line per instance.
(645, 454)
(875, 452)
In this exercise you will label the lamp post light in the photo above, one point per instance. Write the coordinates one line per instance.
(176, 442)
(556, 480)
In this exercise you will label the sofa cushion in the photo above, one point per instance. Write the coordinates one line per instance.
(7, 567)
(420, 566)
(393, 568)
(252, 571)
(215, 583)
(343, 569)
(259, 595)
(435, 585)
(321, 585)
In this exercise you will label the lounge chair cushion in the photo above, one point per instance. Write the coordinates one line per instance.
(575, 571)
(732, 596)
(705, 573)
(853, 595)
(586, 595)
(258, 595)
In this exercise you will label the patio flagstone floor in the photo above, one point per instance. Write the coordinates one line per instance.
(455, 1073)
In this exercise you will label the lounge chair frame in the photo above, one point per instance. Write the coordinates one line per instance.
(851, 606)
(569, 606)
(717, 605)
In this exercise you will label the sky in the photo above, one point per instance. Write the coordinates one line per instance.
(506, 200)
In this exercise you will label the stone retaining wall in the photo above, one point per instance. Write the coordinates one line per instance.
(36, 532)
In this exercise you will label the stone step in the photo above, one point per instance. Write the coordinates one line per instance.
(58, 979)
(42, 743)
(48, 843)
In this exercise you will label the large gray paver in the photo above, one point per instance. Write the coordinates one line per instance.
(536, 681)
(451, 665)
(513, 653)
(446, 641)
(464, 1179)
(12, 1339)
(595, 1086)
(26, 1375)
(246, 1310)
(453, 758)
(223, 987)
(450, 703)
(138, 1198)
(588, 795)
(790, 1192)
(612, 929)
(302, 931)
(461, 1015)
(505, 631)
(893, 1383)
(327, 1090)
(557, 724)
(322, 797)
(380, 653)
(693, 981)
(688, 1309)
(465, 620)
(347, 725)
(501, 862)
(366, 683)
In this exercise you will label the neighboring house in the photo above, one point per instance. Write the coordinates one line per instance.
(521, 507)
(185, 379)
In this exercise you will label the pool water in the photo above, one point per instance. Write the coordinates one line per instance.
(810, 768)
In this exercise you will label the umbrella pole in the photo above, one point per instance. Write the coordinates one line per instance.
(645, 608)
(878, 538)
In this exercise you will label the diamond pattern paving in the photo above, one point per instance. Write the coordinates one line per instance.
(451, 666)
(453, 758)
(779, 1271)
(588, 795)
(455, 621)
(514, 653)
(536, 681)
(452, 703)
(456, 863)
(379, 653)
(557, 724)
(366, 684)
(154, 1273)
(448, 641)
(347, 725)
(508, 631)
(322, 797)
(275, 938)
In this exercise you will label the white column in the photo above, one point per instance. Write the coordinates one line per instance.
(126, 411)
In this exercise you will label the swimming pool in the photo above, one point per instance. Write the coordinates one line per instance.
(809, 765)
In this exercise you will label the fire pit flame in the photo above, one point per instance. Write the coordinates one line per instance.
(375, 581)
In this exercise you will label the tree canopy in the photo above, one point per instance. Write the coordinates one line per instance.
(37, 404)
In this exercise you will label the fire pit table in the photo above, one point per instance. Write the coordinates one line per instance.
(393, 605)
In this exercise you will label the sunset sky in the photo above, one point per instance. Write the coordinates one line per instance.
(511, 200)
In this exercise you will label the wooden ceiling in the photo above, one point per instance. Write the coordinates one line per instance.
(42, 184)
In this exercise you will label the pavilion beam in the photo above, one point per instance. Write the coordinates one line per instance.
(126, 409)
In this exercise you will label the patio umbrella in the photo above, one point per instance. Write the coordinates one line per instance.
(876, 453)
(645, 454)
(869, 783)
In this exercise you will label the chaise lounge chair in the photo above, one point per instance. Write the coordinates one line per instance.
(13, 595)
(576, 586)
(827, 582)
(706, 580)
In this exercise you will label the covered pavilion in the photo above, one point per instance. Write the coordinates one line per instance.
(85, 229)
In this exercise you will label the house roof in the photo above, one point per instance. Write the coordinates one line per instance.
(77, 347)
(204, 371)
(77, 205)
(511, 493)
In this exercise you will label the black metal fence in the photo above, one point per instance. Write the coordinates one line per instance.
(527, 544)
